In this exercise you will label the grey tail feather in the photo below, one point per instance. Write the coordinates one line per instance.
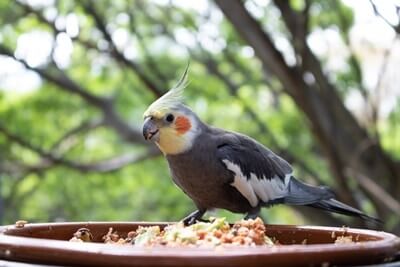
(334, 205)
(303, 194)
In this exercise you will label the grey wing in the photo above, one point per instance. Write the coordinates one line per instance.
(262, 176)
(258, 173)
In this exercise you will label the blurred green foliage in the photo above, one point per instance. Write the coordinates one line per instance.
(144, 190)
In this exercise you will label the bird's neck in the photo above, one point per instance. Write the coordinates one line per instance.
(172, 144)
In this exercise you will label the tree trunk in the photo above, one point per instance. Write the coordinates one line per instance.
(1, 203)
(345, 143)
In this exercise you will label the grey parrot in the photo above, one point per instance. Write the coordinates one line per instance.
(227, 170)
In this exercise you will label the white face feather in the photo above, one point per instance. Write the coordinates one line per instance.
(171, 143)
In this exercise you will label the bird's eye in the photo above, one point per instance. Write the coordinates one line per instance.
(169, 118)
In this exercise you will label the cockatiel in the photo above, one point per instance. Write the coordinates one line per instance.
(226, 170)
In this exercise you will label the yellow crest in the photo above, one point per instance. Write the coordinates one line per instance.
(170, 99)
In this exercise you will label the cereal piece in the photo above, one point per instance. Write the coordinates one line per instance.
(344, 240)
(20, 223)
(108, 237)
(75, 239)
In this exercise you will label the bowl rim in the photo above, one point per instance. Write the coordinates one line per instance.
(384, 240)
(385, 247)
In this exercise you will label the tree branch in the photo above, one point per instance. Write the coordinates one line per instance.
(118, 56)
(352, 134)
(61, 146)
(100, 166)
(396, 28)
(2, 202)
(65, 138)
(117, 162)
(374, 104)
(51, 24)
(111, 117)
(48, 159)
(377, 191)
(108, 165)
(319, 101)
(152, 64)
(89, 7)
(64, 83)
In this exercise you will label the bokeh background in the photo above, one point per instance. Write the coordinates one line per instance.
(316, 81)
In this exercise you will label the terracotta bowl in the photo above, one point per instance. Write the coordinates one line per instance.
(300, 246)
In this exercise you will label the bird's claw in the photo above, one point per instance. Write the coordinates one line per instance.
(189, 221)
(253, 214)
(193, 217)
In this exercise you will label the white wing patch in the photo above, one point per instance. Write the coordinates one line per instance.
(254, 188)
(241, 183)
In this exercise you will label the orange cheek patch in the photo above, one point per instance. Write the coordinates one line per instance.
(182, 125)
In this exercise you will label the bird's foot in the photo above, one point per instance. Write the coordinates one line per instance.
(193, 217)
(252, 214)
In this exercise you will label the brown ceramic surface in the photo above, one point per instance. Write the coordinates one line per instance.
(45, 243)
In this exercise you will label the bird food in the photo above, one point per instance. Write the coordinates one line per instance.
(20, 223)
(215, 233)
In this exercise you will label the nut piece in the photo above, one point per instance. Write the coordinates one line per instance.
(82, 235)
(20, 223)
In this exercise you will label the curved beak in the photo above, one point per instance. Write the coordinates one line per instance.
(150, 129)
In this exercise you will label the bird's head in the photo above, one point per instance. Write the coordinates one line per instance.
(169, 123)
